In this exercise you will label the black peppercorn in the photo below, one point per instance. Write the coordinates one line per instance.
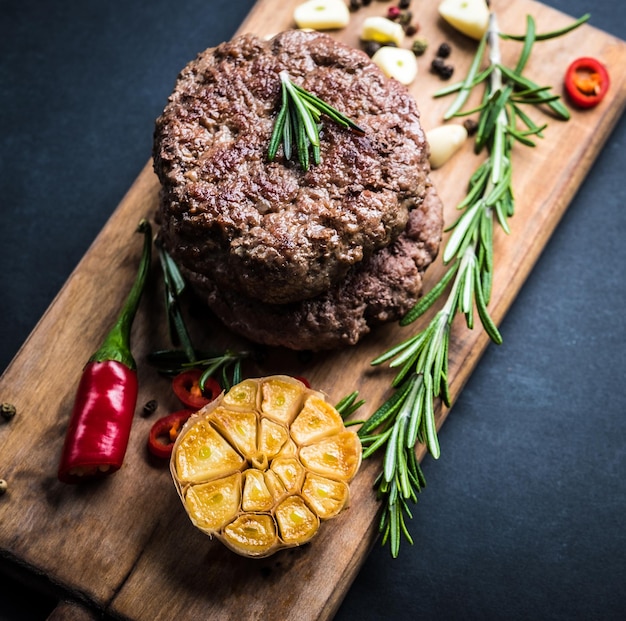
(444, 50)
(150, 407)
(445, 73)
(404, 4)
(471, 126)
(439, 67)
(355, 5)
(437, 64)
(371, 47)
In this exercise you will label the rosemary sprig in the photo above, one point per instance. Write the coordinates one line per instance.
(297, 124)
(174, 286)
(407, 417)
(173, 361)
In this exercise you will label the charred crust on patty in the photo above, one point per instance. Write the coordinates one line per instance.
(379, 290)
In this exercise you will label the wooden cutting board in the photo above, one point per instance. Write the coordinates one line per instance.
(125, 544)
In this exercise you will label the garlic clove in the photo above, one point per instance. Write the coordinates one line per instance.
(444, 142)
(251, 534)
(297, 524)
(316, 419)
(398, 63)
(213, 505)
(326, 496)
(471, 17)
(322, 15)
(382, 30)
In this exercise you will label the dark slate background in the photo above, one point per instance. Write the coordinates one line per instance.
(523, 517)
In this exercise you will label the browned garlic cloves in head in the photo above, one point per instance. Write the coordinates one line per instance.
(260, 466)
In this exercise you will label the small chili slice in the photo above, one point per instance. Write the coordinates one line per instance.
(302, 379)
(186, 387)
(586, 82)
(164, 432)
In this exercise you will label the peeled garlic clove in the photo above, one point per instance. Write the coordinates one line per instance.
(382, 30)
(444, 142)
(397, 63)
(322, 15)
(471, 17)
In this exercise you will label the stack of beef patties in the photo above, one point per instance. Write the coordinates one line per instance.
(306, 259)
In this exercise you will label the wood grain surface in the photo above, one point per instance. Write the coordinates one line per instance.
(125, 545)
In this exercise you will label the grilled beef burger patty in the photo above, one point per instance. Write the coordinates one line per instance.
(380, 289)
(306, 260)
(272, 231)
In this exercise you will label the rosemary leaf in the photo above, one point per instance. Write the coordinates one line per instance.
(529, 40)
(553, 33)
(429, 299)
(468, 83)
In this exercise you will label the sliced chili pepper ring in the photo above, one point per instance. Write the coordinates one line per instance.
(586, 82)
(164, 432)
(186, 387)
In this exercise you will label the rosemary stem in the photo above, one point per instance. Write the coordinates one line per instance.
(495, 56)
(408, 415)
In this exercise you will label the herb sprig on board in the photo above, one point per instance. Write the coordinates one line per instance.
(297, 124)
(407, 417)
(173, 361)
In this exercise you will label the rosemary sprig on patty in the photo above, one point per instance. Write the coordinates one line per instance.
(408, 415)
(297, 124)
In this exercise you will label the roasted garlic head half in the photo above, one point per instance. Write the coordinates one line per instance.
(263, 464)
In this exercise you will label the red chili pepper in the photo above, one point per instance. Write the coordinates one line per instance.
(586, 82)
(186, 387)
(164, 432)
(304, 380)
(99, 428)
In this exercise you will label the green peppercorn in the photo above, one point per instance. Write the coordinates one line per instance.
(405, 18)
(8, 411)
(420, 45)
